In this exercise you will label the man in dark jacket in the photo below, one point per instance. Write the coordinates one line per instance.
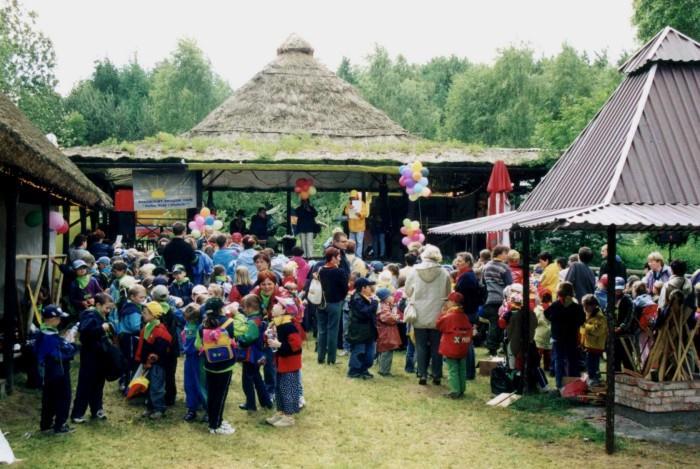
(362, 332)
(620, 269)
(566, 317)
(306, 227)
(178, 251)
(624, 327)
(496, 276)
(468, 286)
(340, 242)
(580, 275)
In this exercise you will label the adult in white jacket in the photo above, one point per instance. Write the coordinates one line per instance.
(427, 288)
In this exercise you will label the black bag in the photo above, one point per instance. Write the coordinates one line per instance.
(505, 380)
(113, 361)
(483, 291)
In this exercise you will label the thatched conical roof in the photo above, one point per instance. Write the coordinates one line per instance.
(25, 153)
(295, 94)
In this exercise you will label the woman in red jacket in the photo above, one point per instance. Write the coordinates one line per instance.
(456, 336)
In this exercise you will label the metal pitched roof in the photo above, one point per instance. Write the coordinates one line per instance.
(669, 45)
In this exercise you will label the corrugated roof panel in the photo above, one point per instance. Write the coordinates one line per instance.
(663, 163)
(669, 45)
(583, 173)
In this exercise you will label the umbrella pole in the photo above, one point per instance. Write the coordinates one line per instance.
(610, 349)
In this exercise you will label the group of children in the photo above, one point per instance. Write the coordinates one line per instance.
(152, 320)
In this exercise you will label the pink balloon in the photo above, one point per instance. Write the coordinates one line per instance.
(192, 225)
(55, 220)
(415, 236)
(403, 230)
(409, 190)
(421, 238)
(405, 241)
(64, 228)
(426, 192)
(199, 220)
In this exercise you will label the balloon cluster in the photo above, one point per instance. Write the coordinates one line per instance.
(56, 221)
(305, 188)
(414, 178)
(412, 232)
(203, 219)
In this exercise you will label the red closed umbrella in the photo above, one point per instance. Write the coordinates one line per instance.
(498, 188)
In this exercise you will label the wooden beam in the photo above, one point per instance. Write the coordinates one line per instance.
(344, 168)
(610, 348)
(9, 318)
(45, 235)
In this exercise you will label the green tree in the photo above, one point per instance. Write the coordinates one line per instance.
(185, 89)
(650, 16)
(346, 72)
(440, 72)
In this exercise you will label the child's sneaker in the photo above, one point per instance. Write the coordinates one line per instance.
(146, 413)
(100, 415)
(222, 431)
(225, 424)
(156, 415)
(80, 419)
(65, 429)
(284, 421)
(190, 416)
(302, 402)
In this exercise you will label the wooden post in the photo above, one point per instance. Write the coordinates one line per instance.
(525, 324)
(610, 347)
(199, 183)
(45, 236)
(83, 220)
(66, 235)
(210, 199)
(289, 212)
(9, 318)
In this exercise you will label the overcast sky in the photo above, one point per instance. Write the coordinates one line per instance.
(240, 37)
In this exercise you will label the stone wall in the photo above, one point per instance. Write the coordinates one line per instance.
(650, 396)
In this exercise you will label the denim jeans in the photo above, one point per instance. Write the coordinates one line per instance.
(494, 340)
(328, 320)
(358, 237)
(471, 362)
(346, 325)
(156, 389)
(307, 244)
(379, 244)
(565, 361)
(269, 371)
(361, 358)
(410, 366)
(593, 365)
(252, 382)
(385, 359)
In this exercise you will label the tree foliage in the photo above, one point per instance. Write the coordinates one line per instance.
(650, 16)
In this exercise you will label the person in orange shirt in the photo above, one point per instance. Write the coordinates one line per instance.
(357, 212)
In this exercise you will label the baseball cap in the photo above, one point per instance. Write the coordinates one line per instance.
(377, 266)
(53, 311)
(160, 293)
(619, 283)
(104, 260)
(363, 282)
(179, 268)
(199, 290)
(456, 297)
(78, 264)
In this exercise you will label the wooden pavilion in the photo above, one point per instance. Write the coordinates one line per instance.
(33, 174)
(295, 119)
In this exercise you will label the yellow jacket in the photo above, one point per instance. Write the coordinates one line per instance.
(594, 332)
(550, 278)
(357, 225)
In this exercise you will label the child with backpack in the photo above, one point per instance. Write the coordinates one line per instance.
(93, 328)
(54, 354)
(153, 347)
(252, 381)
(456, 336)
(195, 393)
(593, 335)
(216, 340)
(388, 337)
(285, 338)
(128, 329)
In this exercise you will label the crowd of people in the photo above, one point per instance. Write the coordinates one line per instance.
(225, 299)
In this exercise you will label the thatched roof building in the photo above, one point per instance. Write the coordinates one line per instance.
(293, 119)
(296, 94)
(26, 154)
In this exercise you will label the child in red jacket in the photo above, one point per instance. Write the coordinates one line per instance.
(388, 337)
(456, 332)
(285, 338)
(154, 344)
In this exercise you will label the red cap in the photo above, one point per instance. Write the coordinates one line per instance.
(455, 297)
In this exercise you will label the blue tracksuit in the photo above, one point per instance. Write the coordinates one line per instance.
(54, 355)
(195, 393)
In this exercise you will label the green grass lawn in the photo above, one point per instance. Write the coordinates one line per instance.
(385, 422)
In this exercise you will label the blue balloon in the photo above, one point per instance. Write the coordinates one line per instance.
(418, 188)
(402, 168)
(209, 220)
(425, 172)
(423, 181)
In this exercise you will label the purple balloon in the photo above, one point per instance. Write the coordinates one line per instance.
(410, 183)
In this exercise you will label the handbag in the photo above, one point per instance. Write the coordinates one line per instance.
(113, 361)
(315, 295)
(410, 315)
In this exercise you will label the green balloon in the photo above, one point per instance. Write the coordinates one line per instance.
(33, 218)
